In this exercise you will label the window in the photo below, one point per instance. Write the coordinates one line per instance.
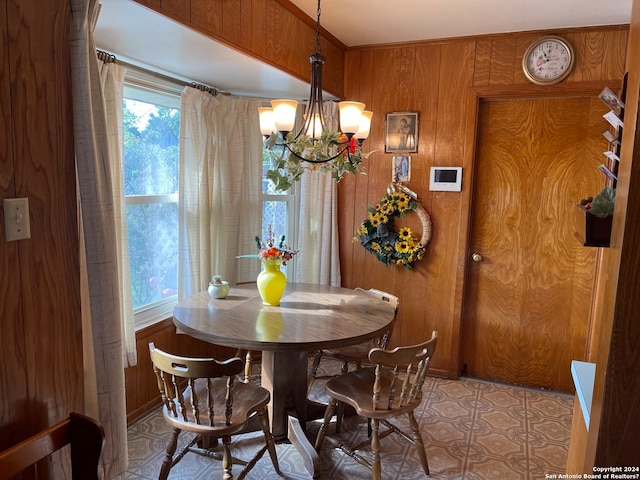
(151, 149)
(151, 120)
(278, 208)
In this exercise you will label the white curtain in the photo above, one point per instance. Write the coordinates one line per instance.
(105, 392)
(112, 81)
(220, 211)
(319, 258)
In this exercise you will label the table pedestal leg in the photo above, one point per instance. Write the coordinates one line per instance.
(284, 374)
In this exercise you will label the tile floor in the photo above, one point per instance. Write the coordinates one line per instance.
(473, 430)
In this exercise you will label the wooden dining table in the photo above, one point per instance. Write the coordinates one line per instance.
(309, 318)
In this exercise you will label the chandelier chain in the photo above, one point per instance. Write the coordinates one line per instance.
(318, 30)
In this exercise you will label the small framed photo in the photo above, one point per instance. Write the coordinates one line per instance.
(611, 138)
(612, 156)
(401, 132)
(401, 171)
(604, 169)
(613, 119)
(611, 100)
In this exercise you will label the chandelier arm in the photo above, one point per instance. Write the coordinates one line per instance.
(314, 112)
(316, 88)
(329, 159)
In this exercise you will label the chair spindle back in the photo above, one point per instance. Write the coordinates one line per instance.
(174, 373)
(404, 369)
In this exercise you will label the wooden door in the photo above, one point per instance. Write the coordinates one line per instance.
(528, 298)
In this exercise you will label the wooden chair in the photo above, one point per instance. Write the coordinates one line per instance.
(356, 354)
(203, 396)
(85, 435)
(392, 389)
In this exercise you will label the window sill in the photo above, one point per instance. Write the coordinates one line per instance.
(150, 316)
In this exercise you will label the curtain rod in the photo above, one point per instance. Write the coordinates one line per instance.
(107, 57)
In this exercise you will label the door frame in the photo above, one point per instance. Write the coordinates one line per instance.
(478, 94)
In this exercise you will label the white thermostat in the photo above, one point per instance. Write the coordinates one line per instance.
(445, 179)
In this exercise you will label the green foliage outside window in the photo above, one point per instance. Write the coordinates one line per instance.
(151, 150)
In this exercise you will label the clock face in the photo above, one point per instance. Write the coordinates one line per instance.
(548, 61)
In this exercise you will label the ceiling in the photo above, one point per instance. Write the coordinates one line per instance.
(384, 21)
(141, 37)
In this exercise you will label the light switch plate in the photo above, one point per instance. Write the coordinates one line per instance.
(16, 219)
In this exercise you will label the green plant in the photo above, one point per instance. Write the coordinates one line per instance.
(288, 167)
(602, 204)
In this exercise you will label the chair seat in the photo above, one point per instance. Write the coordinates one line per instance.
(354, 388)
(247, 399)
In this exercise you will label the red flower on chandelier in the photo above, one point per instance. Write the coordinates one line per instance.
(351, 147)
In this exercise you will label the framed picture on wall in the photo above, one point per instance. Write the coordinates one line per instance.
(401, 171)
(611, 100)
(401, 132)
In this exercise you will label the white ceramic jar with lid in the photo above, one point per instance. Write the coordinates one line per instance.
(218, 288)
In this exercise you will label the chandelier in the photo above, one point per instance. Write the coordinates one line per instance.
(322, 149)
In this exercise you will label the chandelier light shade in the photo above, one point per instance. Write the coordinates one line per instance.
(365, 126)
(267, 123)
(314, 146)
(350, 116)
(284, 114)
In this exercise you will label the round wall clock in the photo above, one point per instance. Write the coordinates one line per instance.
(548, 60)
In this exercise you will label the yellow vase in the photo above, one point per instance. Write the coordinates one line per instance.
(271, 282)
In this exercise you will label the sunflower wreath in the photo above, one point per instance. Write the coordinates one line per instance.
(377, 235)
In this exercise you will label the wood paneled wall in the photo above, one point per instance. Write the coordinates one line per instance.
(40, 326)
(443, 80)
(614, 432)
(274, 31)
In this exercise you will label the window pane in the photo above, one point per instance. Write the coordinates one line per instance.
(277, 206)
(268, 186)
(274, 213)
(151, 135)
(151, 150)
(153, 251)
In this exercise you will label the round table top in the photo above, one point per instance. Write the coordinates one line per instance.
(309, 317)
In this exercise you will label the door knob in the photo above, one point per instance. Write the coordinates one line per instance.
(476, 257)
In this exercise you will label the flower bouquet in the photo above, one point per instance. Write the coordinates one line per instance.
(267, 249)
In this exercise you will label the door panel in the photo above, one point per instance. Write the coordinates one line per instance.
(528, 299)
